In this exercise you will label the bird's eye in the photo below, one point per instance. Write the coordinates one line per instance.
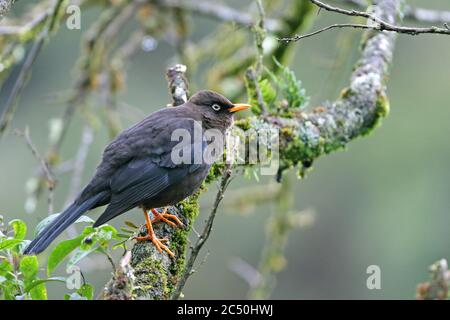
(215, 107)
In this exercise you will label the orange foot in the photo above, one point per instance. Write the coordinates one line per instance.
(152, 237)
(164, 217)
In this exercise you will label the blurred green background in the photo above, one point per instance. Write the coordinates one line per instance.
(384, 201)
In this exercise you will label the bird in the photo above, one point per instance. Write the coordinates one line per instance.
(137, 168)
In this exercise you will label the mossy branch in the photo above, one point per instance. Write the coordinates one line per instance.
(359, 109)
(155, 274)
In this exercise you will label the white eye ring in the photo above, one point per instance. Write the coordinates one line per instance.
(215, 107)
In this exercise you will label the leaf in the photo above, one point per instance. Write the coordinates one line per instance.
(39, 292)
(84, 219)
(131, 225)
(79, 255)
(105, 234)
(21, 246)
(37, 282)
(45, 222)
(9, 243)
(29, 267)
(5, 268)
(61, 251)
(86, 291)
(20, 229)
(120, 244)
(267, 91)
(290, 87)
(88, 230)
(74, 296)
(109, 229)
(126, 230)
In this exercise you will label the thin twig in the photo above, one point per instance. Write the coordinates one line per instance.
(30, 24)
(49, 176)
(253, 74)
(260, 35)
(379, 25)
(226, 179)
(25, 71)
(251, 77)
(413, 13)
(218, 11)
(298, 37)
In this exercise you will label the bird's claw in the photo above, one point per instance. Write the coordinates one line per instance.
(164, 217)
(158, 243)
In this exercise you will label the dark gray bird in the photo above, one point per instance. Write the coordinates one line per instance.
(138, 168)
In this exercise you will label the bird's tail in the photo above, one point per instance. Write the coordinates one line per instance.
(60, 223)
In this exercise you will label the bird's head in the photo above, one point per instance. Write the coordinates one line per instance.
(217, 111)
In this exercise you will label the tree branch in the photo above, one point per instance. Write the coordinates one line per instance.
(217, 11)
(156, 274)
(45, 168)
(5, 6)
(412, 13)
(203, 237)
(25, 71)
(378, 25)
(357, 112)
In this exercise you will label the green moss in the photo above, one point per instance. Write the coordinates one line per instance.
(244, 123)
(215, 172)
(346, 93)
(188, 208)
(157, 274)
(292, 153)
(382, 108)
(153, 283)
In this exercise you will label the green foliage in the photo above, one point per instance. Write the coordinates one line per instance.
(62, 250)
(268, 94)
(86, 292)
(46, 221)
(290, 88)
(91, 240)
(19, 274)
(29, 267)
(20, 229)
(281, 91)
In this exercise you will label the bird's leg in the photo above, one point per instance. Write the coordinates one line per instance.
(152, 237)
(164, 217)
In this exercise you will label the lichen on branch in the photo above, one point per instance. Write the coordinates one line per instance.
(358, 110)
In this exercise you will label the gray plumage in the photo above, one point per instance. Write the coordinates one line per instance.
(137, 168)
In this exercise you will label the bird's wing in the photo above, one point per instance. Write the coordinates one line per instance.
(150, 138)
(138, 180)
(153, 137)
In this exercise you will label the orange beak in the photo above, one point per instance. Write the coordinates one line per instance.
(239, 107)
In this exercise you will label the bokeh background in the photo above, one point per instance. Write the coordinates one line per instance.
(384, 201)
